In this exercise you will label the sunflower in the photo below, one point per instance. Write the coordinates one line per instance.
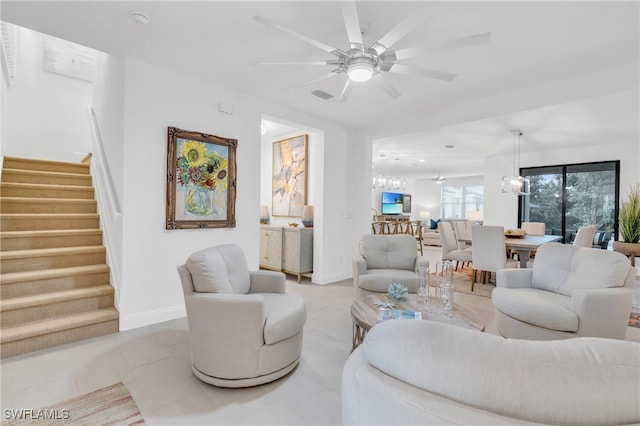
(194, 152)
(222, 175)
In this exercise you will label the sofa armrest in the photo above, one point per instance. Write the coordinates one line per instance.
(602, 312)
(267, 282)
(514, 278)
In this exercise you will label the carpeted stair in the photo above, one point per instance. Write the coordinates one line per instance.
(54, 280)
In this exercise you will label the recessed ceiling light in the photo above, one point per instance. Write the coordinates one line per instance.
(421, 160)
(449, 146)
(139, 17)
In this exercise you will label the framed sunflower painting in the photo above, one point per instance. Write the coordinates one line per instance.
(201, 180)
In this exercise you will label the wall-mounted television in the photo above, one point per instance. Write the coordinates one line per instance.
(395, 203)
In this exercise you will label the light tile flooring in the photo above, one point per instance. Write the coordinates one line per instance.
(153, 362)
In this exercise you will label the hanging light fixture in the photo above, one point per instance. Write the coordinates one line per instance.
(380, 180)
(515, 184)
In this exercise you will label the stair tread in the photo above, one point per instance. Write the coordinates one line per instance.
(45, 173)
(48, 232)
(39, 215)
(22, 302)
(8, 159)
(39, 328)
(45, 185)
(13, 277)
(50, 251)
(47, 200)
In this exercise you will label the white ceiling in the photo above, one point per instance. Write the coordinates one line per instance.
(563, 72)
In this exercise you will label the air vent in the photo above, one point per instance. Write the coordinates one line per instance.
(321, 94)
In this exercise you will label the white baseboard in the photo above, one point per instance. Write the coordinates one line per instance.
(129, 322)
(333, 278)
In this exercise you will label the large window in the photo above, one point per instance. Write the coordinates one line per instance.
(459, 200)
(570, 196)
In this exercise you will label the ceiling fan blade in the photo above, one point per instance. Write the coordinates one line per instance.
(457, 43)
(315, 80)
(295, 63)
(423, 72)
(345, 90)
(302, 37)
(398, 32)
(387, 86)
(351, 21)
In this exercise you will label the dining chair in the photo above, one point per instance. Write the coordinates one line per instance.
(460, 228)
(534, 228)
(450, 250)
(489, 252)
(380, 227)
(584, 237)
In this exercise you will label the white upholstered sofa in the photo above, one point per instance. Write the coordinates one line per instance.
(244, 329)
(570, 292)
(428, 373)
(386, 259)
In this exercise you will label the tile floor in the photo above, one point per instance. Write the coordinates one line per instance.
(153, 362)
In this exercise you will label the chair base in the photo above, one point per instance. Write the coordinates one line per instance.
(515, 329)
(247, 382)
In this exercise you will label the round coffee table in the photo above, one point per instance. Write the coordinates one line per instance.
(365, 314)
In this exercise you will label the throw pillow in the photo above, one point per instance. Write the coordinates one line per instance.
(433, 224)
(209, 272)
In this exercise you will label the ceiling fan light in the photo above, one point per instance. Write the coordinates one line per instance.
(360, 70)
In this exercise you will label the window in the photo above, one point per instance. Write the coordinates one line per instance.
(458, 200)
(568, 197)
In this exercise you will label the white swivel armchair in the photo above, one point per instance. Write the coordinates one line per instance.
(386, 259)
(244, 329)
(570, 292)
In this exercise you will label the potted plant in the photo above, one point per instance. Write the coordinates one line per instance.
(629, 222)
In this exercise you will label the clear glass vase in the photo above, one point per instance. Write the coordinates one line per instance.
(422, 277)
(444, 285)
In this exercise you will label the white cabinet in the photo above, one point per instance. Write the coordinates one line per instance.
(286, 249)
(271, 247)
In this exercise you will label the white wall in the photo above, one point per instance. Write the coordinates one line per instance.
(502, 209)
(47, 118)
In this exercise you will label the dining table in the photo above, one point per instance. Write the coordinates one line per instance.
(524, 246)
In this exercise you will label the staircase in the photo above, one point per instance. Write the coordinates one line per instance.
(54, 280)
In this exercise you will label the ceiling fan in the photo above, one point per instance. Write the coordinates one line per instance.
(439, 179)
(362, 63)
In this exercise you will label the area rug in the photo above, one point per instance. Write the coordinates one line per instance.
(634, 318)
(112, 405)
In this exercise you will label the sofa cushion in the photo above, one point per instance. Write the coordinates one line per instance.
(378, 280)
(573, 381)
(285, 316)
(389, 251)
(209, 272)
(537, 307)
(563, 268)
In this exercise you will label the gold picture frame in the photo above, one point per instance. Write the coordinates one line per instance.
(289, 176)
(201, 180)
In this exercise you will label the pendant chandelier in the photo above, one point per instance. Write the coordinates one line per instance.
(383, 181)
(515, 184)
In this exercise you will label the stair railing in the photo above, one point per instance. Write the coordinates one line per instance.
(109, 210)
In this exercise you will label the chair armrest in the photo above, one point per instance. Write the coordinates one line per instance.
(514, 278)
(602, 312)
(359, 268)
(267, 282)
(422, 262)
(236, 319)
